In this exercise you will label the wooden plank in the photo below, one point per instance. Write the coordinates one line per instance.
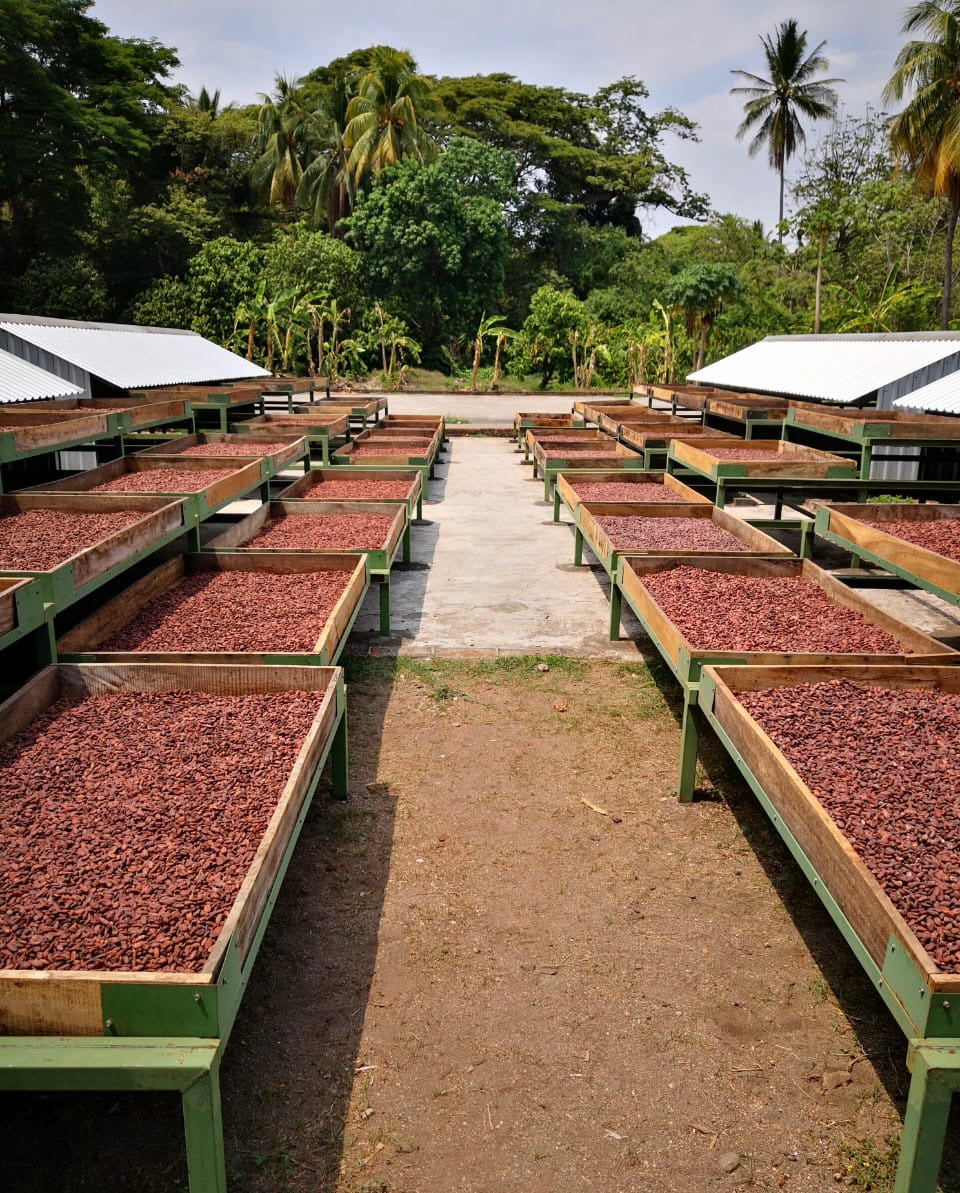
(785, 459)
(682, 494)
(49, 1006)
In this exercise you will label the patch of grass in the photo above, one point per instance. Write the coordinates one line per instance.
(820, 989)
(868, 1167)
(345, 822)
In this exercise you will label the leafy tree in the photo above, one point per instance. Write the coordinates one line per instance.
(218, 279)
(698, 293)
(76, 106)
(432, 246)
(927, 132)
(309, 262)
(326, 187)
(544, 344)
(490, 327)
(774, 105)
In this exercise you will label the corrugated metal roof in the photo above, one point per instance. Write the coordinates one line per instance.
(832, 368)
(21, 381)
(939, 397)
(133, 357)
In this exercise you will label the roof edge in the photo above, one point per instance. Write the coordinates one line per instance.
(87, 325)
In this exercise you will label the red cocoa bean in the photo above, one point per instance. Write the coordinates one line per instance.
(883, 763)
(743, 453)
(325, 532)
(323, 488)
(722, 611)
(153, 805)
(667, 534)
(163, 480)
(623, 491)
(942, 536)
(39, 539)
(243, 611)
(253, 448)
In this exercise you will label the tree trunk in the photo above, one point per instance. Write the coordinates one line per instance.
(250, 332)
(496, 363)
(948, 254)
(783, 166)
(477, 346)
(702, 346)
(816, 305)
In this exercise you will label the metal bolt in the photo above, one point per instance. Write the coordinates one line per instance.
(946, 1004)
(196, 998)
(109, 1023)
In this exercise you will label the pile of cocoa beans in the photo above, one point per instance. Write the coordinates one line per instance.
(942, 536)
(130, 821)
(38, 539)
(667, 534)
(884, 764)
(163, 480)
(325, 532)
(236, 611)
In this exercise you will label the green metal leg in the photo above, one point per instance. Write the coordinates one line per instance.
(748, 430)
(193, 538)
(721, 497)
(806, 549)
(854, 559)
(324, 451)
(556, 503)
(265, 491)
(616, 606)
(385, 607)
(865, 460)
(406, 544)
(203, 1128)
(689, 741)
(223, 419)
(535, 469)
(339, 761)
(577, 547)
(546, 486)
(935, 1065)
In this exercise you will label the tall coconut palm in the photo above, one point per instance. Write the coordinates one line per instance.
(282, 123)
(774, 105)
(326, 187)
(383, 118)
(927, 132)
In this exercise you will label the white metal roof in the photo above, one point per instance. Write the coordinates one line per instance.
(132, 357)
(20, 381)
(939, 397)
(840, 368)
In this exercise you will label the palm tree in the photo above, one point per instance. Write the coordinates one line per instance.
(281, 133)
(927, 132)
(774, 105)
(490, 325)
(383, 118)
(326, 187)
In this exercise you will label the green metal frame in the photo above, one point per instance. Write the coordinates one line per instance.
(931, 1024)
(423, 465)
(552, 467)
(888, 563)
(149, 443)
(739, 470)
(224, 409)
(136, 1053)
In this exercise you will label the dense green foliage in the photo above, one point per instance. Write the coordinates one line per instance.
(370, 217)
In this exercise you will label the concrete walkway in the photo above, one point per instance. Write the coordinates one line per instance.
(490, 570)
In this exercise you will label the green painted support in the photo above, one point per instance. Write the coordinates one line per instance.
(187, 1066)
(339, 761)
(577, 547)
(406, 542)
(689, 744)
(385, 606)
(616, 608)
(935, 1069)
(546, 485)
(556, 503)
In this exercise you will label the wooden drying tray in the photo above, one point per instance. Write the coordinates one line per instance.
(318, 429)
(921, 999)
(105, 1030)
(309, 487)
(641, 417)
(560, 435)
(162, 522)
(23, 433)
(123, 413)
(785, 459)
(238, 478)
(615, 457)
(364, 408)
(378, 561)
(690, 397)
(747, 408)
(589, 530)
(861, 426)
(643, 437)
(84, 643)
(581, 404)
(393, 456)
(292, 451)
(592, 412)
(852, 889)
(564, 490)
(844, 524)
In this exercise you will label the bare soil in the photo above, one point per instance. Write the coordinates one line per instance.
(514, 961)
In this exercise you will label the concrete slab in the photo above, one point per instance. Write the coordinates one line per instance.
(491, 572)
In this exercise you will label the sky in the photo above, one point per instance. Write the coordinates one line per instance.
(683, 52)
